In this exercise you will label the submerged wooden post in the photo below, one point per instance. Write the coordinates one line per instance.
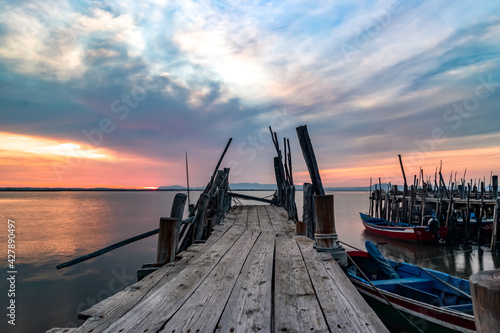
(167, 240)
(485, 291)
(326, 235)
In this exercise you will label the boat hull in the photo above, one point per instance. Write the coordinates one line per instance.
(423, 317)
(428, 316)
(406, 233)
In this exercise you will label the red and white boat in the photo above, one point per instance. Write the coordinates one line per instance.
(431, 233)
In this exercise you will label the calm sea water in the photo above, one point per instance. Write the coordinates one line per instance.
(54, 227)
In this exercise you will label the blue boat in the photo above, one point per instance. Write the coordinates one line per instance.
(433, 301)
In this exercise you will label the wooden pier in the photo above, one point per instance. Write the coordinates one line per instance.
(240, 269)
(253, 274)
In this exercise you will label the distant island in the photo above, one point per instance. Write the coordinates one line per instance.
(233, 187)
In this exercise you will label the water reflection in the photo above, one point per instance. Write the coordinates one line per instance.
(53, 227)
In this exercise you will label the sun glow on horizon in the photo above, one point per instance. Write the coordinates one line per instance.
(19, 144)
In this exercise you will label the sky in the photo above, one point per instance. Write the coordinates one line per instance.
(114, 93)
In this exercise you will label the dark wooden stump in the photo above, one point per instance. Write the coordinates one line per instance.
(485, 289)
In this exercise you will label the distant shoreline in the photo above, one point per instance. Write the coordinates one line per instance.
(152, 190)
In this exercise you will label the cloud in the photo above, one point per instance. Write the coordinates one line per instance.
(369, 78)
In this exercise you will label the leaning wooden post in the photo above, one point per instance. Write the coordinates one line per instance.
(495, 214)
(310, 159)
(485, 291)
(167, 240)
(326, 236)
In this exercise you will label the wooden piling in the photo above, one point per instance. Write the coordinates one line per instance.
(167, 240)
(394, 203)
(485, 291)
(494, 235)
(424, 200)
(325, 221)
(308, 209)
(301, 228)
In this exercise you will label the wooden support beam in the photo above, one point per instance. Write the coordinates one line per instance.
(310, 159)
(249, 197)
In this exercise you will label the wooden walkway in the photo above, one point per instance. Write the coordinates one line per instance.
(252, 275)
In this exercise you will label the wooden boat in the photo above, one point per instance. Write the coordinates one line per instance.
(433, 301)
(433, 232)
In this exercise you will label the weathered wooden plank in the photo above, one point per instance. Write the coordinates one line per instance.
(162, 302)
(192, 264)
(344, 308)
(264, 221)
(202, 310)
(253, 219)
(276, 221)
(249, 307)
(114, 307)
(287, 223)
(242, 218)
(296, 308)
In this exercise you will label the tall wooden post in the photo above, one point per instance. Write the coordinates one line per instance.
(494, 236)
(308, 210)
(479, 218)
(394, 203)
(380, 198)
(424, 201)
(326, 235)
(485, 291)
(167, 240)
(370, 208)
(279, 180)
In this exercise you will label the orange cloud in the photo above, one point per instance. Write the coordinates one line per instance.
(30, 161)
